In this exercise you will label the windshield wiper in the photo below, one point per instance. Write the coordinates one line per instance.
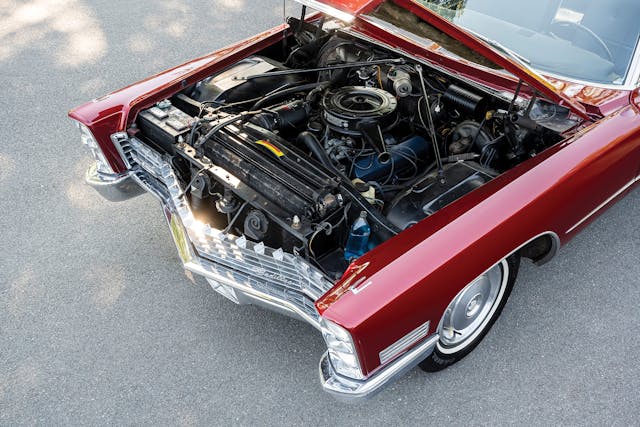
(502, 48)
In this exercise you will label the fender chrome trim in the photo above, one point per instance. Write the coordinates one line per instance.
(604, 204)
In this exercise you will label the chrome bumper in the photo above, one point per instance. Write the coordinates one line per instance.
(349, 390)
(115, 188)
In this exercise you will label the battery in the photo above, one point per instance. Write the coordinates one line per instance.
(165, 124)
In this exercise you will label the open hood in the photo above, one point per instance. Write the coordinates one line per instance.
(348, 10)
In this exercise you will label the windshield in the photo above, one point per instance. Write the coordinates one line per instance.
(589, 40)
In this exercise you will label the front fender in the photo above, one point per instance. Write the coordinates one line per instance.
(411, 278)
(391, 298)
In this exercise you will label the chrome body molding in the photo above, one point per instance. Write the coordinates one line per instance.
(115, 188)
(350, 390)
(604, 204)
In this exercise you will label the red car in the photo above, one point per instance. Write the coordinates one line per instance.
(380, 168)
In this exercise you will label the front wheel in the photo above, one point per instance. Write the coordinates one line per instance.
(471, 314)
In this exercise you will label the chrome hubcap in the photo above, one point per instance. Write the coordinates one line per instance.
(472, 308)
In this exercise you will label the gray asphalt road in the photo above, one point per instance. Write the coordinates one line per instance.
(99, 325)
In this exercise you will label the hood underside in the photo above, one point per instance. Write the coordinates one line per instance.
(349, 10)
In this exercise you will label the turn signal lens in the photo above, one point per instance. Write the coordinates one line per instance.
(342, 351)
(89, 140)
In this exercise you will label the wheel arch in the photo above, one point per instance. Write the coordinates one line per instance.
(540, 249)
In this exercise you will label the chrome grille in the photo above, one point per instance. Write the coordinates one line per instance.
(270, 271)
(146, 158)
(123, 144)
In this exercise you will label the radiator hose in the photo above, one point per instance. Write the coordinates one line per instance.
(312, 143)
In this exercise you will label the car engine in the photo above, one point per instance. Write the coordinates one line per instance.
(309, 136)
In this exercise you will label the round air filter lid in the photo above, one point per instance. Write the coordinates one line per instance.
(350, 108)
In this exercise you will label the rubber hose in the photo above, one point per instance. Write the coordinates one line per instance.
(312, 143)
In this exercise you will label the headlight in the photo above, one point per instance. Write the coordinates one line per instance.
(89, 140)
(342, 351)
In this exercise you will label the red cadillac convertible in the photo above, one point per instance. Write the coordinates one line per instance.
(379, 169)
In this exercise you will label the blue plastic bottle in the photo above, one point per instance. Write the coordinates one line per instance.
(358, 241)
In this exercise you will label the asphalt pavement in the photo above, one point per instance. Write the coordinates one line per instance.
(100, 325)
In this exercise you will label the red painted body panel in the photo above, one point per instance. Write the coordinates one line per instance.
(416, 274)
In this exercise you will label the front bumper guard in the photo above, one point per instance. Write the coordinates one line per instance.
(115, 188)
(350, 390)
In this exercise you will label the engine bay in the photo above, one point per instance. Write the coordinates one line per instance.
(326, 145)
